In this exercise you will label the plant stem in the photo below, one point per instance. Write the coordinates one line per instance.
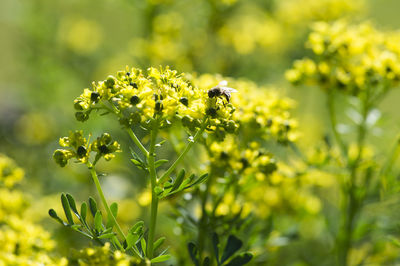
(203, 223)
(204, 219)
(103, 199)
(333, 121)
(352, 203)
(166, 175)
(133, 136)
(154, 197)
(137, 141)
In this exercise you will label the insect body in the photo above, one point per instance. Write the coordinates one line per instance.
(221, 90)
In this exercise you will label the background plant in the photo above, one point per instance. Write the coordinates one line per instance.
(51, 50)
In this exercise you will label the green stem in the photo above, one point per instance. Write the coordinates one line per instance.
(133, 136)
(103, 199)
(333, 121)
(154, 197)
(198, 134)
(204, 219)
(137, 141)
(352, 203)
(203, 223)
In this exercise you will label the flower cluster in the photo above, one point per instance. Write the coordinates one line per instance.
(241, 161)
(280, 28)
(227, 158)
(79, 148)
(295, 12)
(22, 241)
(350, 58)
(10, 173)
(102, 256)
(260, 112)
(137, 98)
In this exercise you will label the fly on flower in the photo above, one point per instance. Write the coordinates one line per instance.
(221, 90)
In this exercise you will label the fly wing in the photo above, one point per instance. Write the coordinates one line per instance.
(230, 89)
(223, 83)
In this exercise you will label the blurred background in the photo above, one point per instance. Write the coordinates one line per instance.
(51, 50)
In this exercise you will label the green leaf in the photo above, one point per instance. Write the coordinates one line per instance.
(241, 259)
(168, 184)
(92, 206)
(106, 236)
(131, 240)
(143, 245)
(160, 143)
(76, 227)
(139, 164)
(178, 180)
(158, 243)
(193, 253)
(66, 208)
(114, 211)
(71, 202)
(108, 230)
(83, 212)
(158, 190)
(137, 228)
(54, 215)
(161, 258)
(160, 162)
(98, 219)
(198, 181)
(233, 245)
(215, 241)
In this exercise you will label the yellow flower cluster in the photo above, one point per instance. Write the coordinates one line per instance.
(350, 58)
(251, 30)
(262, 115)
(277, 29)
(10, 173)
(137, 98)
(227, 158)
(295, 12)
(79, 148)
(260, 112)
(286, 191)
(102, 256)
(22, 242)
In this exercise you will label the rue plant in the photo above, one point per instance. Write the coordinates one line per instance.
(363, 64)
(154, 102)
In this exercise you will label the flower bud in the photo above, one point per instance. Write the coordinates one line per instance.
(184, 101)
(110, 82)
(82, 117)
(134, 100)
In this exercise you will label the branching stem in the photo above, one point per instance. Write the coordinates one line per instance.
(166, 175)
(154, 197)
(104, 201)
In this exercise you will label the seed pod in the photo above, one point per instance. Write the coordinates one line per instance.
(94, 96)
(110, 82)
(159, 106)
(135, 100)
(82, 117)
(81, 152)
(134, 85)
(104, 149)
(106, 138)
(184, 101)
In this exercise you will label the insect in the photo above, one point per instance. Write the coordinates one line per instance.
(221, 90)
